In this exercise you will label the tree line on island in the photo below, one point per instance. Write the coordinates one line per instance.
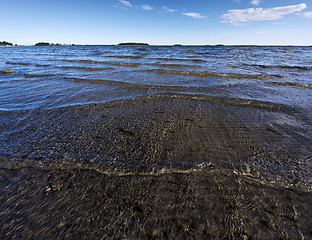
(52, 44)
(133, 44)
(5, 43)
(119, 44)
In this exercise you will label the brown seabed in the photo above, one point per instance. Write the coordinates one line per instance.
(159, 167)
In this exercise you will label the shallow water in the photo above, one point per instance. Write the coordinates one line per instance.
(277, 80)
(170, 142)
(51, 78)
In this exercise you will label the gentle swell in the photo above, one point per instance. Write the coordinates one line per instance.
(86, 68)
(231, 101)
(127, 84)
(42, 65)
(213, 74)
(38, 75)
(100, 62)
(174, 65)
(294, 84)
(179, 59)
(17, 63)
(125, 57)
(284, 67)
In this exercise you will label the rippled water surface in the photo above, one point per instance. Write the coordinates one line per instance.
(146, 142)
(53, 77)
(250, 100)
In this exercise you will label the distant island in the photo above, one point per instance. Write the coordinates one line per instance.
(5, 43)
(43, 44)
(133, 44)
(52, 44)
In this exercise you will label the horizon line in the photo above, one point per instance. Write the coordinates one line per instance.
(149, 45)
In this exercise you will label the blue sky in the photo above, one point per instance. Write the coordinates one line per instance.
(194, 22)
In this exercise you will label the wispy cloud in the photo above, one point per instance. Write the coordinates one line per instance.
(146, 7)
(307, 14)
(236, 17)
(168, 9)
(194, 15)
(125, 3)
(255, 2)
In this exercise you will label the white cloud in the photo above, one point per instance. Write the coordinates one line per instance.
(125, 3)
(146, 7)
(168, 9)
(255, 2)
(307, 14)
(194, 15)
(236, 17)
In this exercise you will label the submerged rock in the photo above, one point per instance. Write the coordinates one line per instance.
(7, 70)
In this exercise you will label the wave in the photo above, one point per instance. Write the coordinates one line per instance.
(127, 84)
(100, 62)
(86, 68)
(206, 53)
(179, 59)
(38, 75)
(126, 57)
(142, 49)
(227, 100)
(294, 84)
(213, 74)
(42, 65)
(17, 63)
(231, 101)
(174, 65)
(284, 67)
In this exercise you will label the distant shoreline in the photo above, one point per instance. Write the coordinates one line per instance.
(133, 44)
(156, 45)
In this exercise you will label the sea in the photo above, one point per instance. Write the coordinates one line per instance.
(59, 76)
(146, 142)
(272, 83)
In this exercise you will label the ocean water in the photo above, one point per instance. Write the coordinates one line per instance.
(166, 142)
(54, 77)
(253, 110)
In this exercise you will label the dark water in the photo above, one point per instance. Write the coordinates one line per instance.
(271, 87)
(53, 77)
(205, 142)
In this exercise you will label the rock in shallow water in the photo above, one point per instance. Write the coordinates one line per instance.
(7, 70)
